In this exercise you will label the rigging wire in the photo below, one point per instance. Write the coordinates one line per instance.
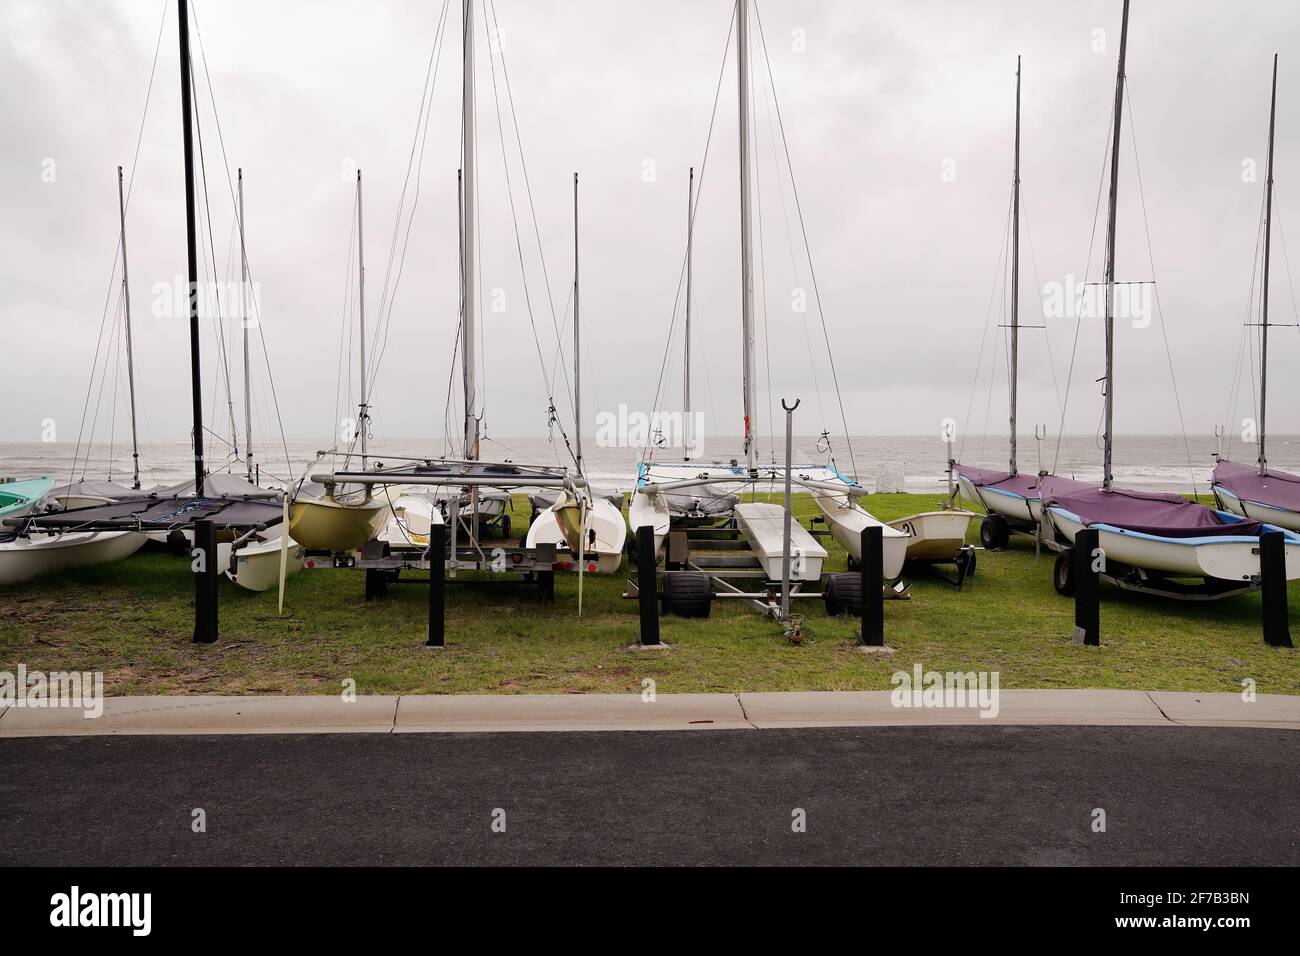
(812, 271)
(117, 246)
(1160, 312)
(647, 453)
(998, 269)
(1078, 319)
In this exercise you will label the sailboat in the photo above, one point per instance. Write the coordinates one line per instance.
(1258, 491)
(1012, 500)
(466, 493)
(679, 494)
(337, 520)
(1151, 540)
(591, 527)
(254, 562)
(108, 529)
(32, 552)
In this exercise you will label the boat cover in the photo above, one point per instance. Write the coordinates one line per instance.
(1276, 489)
(1154, 513)
(702, 501)
(156, 513)
(88, 488)
(1023, 484)
(222, 485)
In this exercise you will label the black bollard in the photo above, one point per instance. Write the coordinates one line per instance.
(205, 581)
(647, 585)
(872, 569)
(437, 555)
(1087, 589)
(1272, 574)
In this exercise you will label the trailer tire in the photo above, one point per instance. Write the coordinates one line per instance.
(1063, 573)
(994, 533)
(844, 594)
(687, 594)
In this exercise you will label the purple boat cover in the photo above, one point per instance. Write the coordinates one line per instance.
(1276, 489)
(1023, 484)
(1154, 513)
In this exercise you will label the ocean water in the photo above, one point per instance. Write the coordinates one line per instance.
(1150, 462)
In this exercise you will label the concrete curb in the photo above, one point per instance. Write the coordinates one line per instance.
(602, 712)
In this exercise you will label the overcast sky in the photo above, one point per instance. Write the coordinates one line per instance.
(898, 119)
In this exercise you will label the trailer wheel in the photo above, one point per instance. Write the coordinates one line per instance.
(994, 533)
(1063, 573)
(505, 526)
(687, 594)
(177, 544)
(844, 594)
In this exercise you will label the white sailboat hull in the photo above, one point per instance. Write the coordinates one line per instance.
(1223, 558)
(650, 510)
(25, 558)
(604, 557)
(1253, 509)
(414, 515)
(256, 566)
(935, 535)
(846, 521)
(1004, 503)
(763, 527)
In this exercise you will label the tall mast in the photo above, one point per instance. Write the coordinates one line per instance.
(243, 308)
(577, 339)
(686, 356)
(196, 383)
(1015, 276)
(363, 416)
(746, 251)
(130, 354)
(1268, 238)
(1107, 472)
(467, 335)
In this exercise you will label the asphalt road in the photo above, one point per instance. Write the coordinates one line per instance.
(931, 795)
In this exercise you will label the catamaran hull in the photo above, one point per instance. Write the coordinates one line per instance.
(935, 535)
(602, 518)
(414, 515)
(763, 527)
(846, 522)
(649, 510)
(1223, 558)
(25, 558)
(1259, 512)
(256, 566)
(328, 525)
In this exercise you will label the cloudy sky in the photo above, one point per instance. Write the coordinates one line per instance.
(898, 120)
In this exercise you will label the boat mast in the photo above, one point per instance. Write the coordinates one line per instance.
(130, 355)
(686, 356)
(746, 251)
(577, 339)
(1015, 276)
(1268, 230)
(196, 382)
(1107, 473)
(467, 334)
(243, 308)
(363, 417)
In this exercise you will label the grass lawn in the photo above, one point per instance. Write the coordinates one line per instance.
(133, 621)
